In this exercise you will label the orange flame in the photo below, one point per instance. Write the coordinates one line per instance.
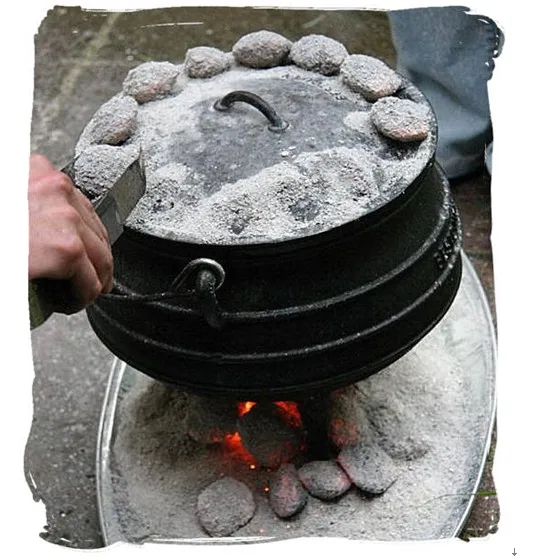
(235, 449)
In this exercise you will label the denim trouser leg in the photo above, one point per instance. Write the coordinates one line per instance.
(448, 55)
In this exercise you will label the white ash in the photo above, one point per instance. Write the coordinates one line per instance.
(181, 81)
(369, 76)
(224, 506)
(287, 496)
(365, 130)
(98, 167)
(113, 123)
(157, 207)
(368, 467)
(318, 53)
(179, 206)
(206, 62)
(305, 194)
(262, 49)
(401, 119)
(330, 84)
(159, 421)
(324, 479)
(389, 420)
(268, 203)
(150, 81)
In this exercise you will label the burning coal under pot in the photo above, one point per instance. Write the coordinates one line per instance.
(296, 226)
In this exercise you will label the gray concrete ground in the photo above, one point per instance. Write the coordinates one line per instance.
(82, 58)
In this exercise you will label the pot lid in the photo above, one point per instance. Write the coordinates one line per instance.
(236, 153)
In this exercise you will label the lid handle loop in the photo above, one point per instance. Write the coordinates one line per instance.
(276, 123)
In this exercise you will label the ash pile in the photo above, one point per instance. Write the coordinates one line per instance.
(197, 466)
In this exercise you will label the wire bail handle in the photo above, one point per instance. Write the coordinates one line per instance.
(210, 277)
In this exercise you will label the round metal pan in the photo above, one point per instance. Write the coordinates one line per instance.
(475, 354)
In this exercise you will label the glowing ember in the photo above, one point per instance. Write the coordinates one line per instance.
(245, 407)
(268, 440)
(343, 433)
(290, 412)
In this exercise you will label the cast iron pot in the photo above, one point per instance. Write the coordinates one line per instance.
(291, 319)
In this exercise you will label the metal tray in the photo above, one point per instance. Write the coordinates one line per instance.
(475, 353)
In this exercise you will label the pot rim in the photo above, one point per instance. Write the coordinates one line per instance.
(175, 249)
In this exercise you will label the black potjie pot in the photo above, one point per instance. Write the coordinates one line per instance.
(291, 319)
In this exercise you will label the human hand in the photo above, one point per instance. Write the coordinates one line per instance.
(67, 240)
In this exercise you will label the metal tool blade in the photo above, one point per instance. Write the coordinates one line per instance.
(116, 204)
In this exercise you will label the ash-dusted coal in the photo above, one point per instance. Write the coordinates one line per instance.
(369, 76)
(224, 506)
(261, 49)
(100, 165)
(113, 123)
(287, 495)
(401, 119)
(348, 422)
(318, 53)
(150, 81)
(210, 420)
(324, 479)
(268, 436)
(368, 467)
(205, 62)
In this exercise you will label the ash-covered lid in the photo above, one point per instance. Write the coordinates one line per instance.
(357, 135)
